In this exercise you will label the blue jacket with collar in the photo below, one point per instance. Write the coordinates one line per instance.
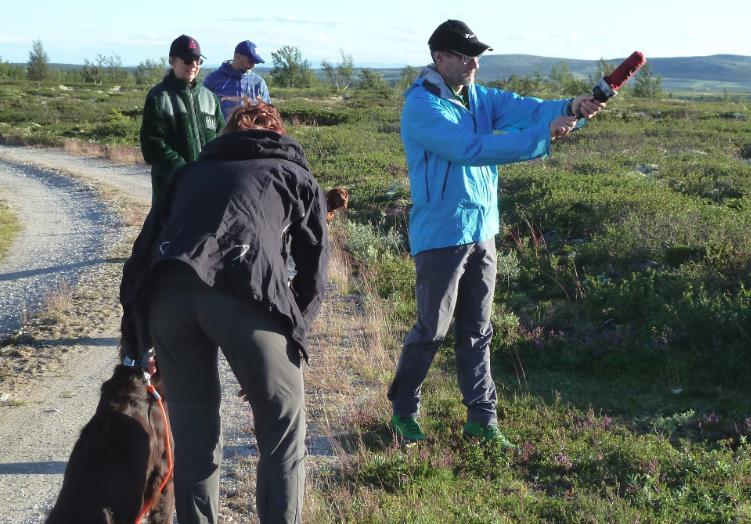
(452, 153)
(230, 86)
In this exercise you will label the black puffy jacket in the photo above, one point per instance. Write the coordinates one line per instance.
(232, 216)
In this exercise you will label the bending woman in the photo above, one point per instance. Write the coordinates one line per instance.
(209, 270)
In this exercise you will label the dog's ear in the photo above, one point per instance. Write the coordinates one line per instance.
(122, 349)
(345, 197)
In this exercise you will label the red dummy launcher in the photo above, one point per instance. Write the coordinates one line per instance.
(607, 87)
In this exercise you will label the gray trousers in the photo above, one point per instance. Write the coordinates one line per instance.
(454, 282)
(189, 321)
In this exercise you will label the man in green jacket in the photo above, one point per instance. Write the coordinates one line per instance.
(180, 115)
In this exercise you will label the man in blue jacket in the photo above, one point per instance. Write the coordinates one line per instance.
(235, 81)
(455, 133)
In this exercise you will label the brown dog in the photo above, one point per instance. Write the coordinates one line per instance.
(335, 199)
(121, 459)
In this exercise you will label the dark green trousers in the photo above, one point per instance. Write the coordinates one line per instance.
(189, 322)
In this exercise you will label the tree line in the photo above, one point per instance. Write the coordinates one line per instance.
(101, 70)
(291, 69)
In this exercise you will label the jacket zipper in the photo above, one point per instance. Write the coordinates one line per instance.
(448, 167)
(483, 169)
(195, 121)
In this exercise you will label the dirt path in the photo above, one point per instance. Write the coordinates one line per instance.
(131, 180)
(51, 374)
(66, 230)
(36, 437)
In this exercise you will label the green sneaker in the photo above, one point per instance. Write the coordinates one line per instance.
(407, 428)
(489, 433)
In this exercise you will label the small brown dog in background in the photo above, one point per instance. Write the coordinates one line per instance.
(121, 460)
(336, 198)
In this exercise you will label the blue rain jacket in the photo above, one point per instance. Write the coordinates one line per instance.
(231, 86)
(452, 153)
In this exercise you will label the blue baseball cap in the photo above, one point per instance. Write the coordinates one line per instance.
(248, 48)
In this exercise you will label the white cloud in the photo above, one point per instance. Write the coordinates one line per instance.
(323, 38)
(147, 40)
(283, 20)
(16, 39)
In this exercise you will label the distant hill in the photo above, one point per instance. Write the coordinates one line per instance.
(693, 73)
(714, 74)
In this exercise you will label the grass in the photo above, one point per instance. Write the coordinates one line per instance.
(622, 315)
(621, 341)
(49, 114)
(9, 227)
(573, 464)
(119, 154)
(58, 302)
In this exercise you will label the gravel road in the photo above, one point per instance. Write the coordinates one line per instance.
(132, 180)
(67, 234)
(66, 230)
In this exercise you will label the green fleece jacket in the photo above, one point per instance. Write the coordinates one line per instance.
(179, 118)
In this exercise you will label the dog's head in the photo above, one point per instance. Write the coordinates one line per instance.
(126, 386)
(146, 363)
(336, 198)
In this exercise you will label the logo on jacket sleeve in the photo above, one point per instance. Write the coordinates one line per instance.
(244, 248)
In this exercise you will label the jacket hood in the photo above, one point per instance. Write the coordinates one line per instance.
(255, 144)
(432, 80)
(229, 71)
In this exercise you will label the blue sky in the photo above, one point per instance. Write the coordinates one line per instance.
(380, 33)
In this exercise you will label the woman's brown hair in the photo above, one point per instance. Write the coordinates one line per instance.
(259, 115)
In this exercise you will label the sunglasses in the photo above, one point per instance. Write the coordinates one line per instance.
(188, 61)
(464, 58)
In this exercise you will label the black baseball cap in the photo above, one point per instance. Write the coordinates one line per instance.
(455, 35)
(185, 47)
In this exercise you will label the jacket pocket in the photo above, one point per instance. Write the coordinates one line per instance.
(427, 180)
(490, 187)
(445, 181)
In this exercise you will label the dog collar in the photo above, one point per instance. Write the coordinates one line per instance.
(143, 362)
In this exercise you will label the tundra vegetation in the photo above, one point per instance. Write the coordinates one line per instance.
(622, 316)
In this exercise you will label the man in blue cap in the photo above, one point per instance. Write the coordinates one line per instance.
(235, 82)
